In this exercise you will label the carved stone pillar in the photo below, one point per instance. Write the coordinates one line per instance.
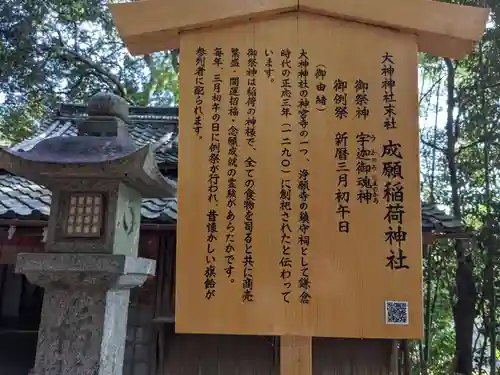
(85, 307)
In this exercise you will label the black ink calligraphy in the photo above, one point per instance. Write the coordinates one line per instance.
(268, 65)
(342, 195)
(232, 163)
(303, 102)
(388, 85)
(250, 165)
(286, 167)
(249, 205)
(366, 166)
(213, 179)
(392, 163)
(251, 102)
(210, 265)
(320, 76)
(361, 99)
(286, 238)
(340, 99)
(199, 89)
(303, 239)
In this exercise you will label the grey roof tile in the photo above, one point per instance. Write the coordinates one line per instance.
(434, 219)
(22, 199)
(163, 134)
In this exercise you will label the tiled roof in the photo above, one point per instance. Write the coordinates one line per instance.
(157, 126)
(23, 199)
(434, 219)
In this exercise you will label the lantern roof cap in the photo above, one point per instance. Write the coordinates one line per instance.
(108, 104)
(136, 167)
(79, 149)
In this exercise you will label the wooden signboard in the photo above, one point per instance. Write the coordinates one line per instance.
(299, 181)
(299, 210)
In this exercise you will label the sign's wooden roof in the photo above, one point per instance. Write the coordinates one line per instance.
(22, 199)
(442, 29)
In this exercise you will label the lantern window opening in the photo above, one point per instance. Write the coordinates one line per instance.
(84, 216)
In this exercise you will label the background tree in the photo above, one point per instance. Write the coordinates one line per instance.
(461, 172)
(65, 51)
(59, 51)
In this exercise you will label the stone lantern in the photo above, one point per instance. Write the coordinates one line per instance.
(98, 179)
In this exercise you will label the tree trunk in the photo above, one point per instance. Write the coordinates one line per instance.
(464, 307)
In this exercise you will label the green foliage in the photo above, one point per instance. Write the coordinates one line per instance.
(65, 51)
(15, 125)
(467, 146)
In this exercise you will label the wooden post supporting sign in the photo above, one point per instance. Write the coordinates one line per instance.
(299, 200)
(296, 355)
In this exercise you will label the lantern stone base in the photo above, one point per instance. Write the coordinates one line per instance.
(85, 309)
